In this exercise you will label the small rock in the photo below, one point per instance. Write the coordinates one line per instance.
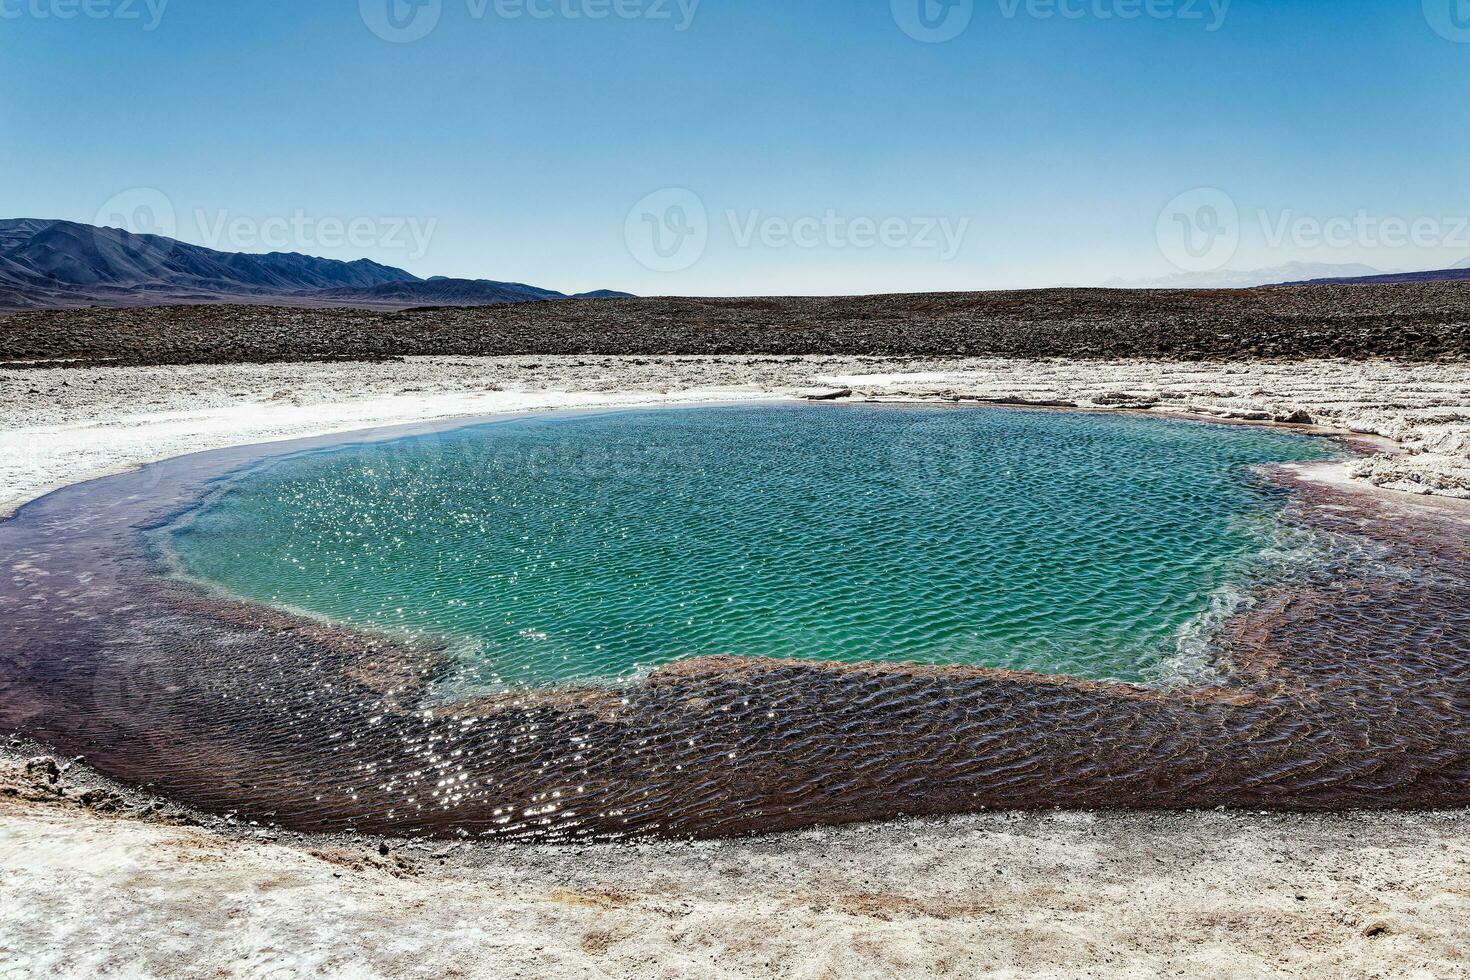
(43, 770)
(827, 395)
(100, 799)
(1376, 928)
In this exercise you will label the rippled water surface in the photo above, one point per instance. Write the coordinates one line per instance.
(597, 546)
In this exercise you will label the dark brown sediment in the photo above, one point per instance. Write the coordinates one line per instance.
(1347, 691)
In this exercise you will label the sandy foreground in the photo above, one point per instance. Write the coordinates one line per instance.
(89, 887)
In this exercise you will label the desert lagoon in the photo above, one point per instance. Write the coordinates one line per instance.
(730, 619)
(597, 547)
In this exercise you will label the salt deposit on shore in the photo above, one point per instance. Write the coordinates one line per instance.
(1063, 894)
(88, 892)
(61, 425)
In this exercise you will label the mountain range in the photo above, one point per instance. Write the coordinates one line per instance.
(1248, 278)
(1291, 274)
(53, 264)
(58, 264)
(1456, 273)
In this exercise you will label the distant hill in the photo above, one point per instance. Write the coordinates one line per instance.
(1455, 274)
(58, 264)
(67, 263)
(603, 294)
(1249, 278)
(1293, 274)
(441, 291)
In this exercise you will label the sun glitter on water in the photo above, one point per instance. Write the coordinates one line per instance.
(596, 547)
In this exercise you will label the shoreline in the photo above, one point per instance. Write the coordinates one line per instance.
(36, 827)
(131, 416)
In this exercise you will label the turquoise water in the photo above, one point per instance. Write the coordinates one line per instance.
(593, 547)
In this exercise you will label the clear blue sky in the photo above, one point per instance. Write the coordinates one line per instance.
(522, 142)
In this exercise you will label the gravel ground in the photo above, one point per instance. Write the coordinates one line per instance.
(1412, 321)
